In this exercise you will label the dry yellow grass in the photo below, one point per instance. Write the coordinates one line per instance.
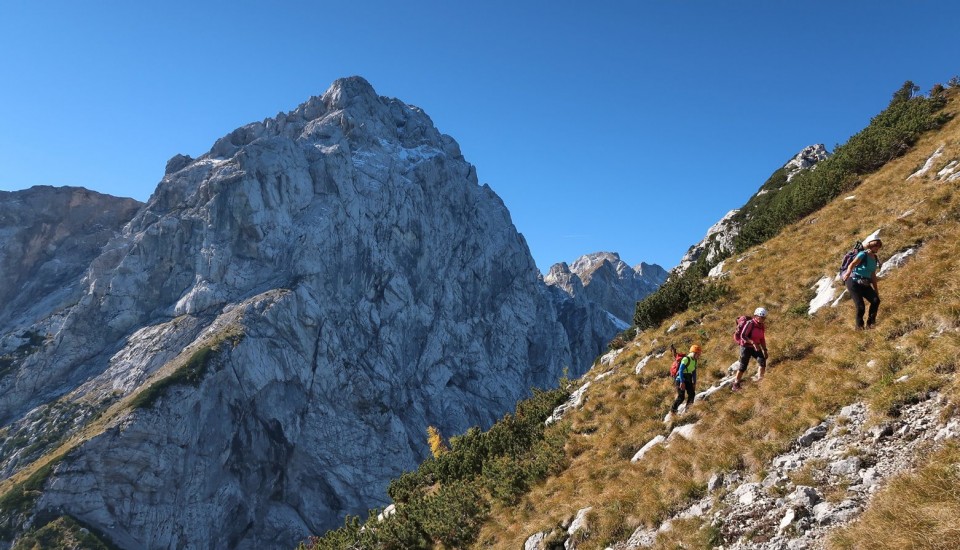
(818, 364)
(916, 510)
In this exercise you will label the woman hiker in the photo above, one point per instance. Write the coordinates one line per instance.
(861, 280)
(686, 380)
(754, 344)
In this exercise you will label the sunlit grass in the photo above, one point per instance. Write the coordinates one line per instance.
(818, 365)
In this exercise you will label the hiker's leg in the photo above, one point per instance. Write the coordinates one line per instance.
(691, 392)
(762, 363)
(679, 400)
(874, 300)
(857, 296)
(744, 360)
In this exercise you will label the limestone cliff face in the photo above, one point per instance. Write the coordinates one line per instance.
(48, 236)
(346, 281)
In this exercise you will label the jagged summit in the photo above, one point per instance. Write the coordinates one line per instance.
(603, 278)
(334, 279)
(808, 157)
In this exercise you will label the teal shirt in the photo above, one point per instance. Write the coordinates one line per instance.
(867, 266)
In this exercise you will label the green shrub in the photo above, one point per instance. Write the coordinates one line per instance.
(21, 498)
(191, 373)
(889, 135)
(63, 532)
(447, 499)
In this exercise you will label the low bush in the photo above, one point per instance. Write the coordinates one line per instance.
(447, 499)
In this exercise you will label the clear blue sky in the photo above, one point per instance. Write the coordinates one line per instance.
(621, 126)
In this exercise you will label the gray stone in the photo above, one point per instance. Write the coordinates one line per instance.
(747, 493)
(879, 432)
(535, 542)
(823, 512)
(846, 467)
(715, 482)
(804, 496)
(642, 538)
(815, 433)
(851, 410)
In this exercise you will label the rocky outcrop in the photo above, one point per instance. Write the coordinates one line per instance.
(48, 236)
(334, 279)
(844, 455)
(718, 243)
(604, 279)
(808, 157)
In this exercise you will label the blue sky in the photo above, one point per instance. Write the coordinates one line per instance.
(620, 126)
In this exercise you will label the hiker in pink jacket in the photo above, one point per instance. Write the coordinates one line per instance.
(753, 344)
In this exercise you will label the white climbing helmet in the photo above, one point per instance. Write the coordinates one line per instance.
(760, 312)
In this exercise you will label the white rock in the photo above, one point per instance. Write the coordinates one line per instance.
(788, 518)
(643, 362)
(825, 294)
(848, 466)
(747, 493)
(579, 522)
(575, 401)
(535, 541)
(686, 431)
(929, 164)
(650, 444)
(896, 261)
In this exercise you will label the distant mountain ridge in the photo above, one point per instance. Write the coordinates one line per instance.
(604, 279)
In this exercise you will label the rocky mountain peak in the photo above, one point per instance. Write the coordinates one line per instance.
(808, 157)
(603, 278)
(719, 240)
(346, 281)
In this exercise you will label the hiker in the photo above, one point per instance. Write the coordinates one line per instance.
(686, 380)
(861, 280)
(753, 343)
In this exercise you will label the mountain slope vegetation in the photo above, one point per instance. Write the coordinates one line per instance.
(818, 365)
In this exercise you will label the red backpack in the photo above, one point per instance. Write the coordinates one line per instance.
(677, 357)
(741, 328)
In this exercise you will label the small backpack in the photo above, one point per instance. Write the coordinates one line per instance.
(849, 256)
(741, 325)
(675, 367)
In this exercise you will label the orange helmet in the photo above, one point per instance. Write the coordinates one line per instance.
(694, 349)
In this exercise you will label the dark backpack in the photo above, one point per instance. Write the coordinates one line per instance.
(741, 326)
(675, 367)
(849, 256)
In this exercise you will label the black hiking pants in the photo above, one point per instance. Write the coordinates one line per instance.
(860, 292)
(746, 352)
(689, 390)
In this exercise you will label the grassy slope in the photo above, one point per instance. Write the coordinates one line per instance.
(817, 363)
